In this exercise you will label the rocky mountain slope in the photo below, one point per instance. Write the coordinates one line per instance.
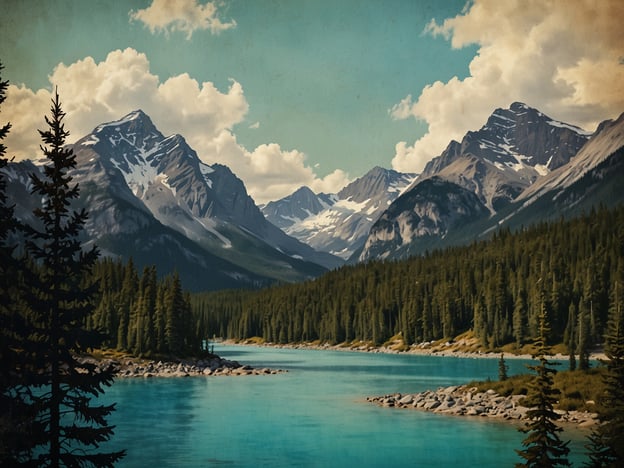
(593, 177)
(517, 157)
(338, 223)
(151, 197)
(512, 150)
(293, 209)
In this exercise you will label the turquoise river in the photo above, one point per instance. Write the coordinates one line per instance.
(315, 415)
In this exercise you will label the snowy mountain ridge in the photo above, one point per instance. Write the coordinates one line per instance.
(338, 223)
(519, 156)
(151, 197)
(608, 138)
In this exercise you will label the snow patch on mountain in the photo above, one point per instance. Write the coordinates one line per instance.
(607, 139)
(338, 223)
(580, 131)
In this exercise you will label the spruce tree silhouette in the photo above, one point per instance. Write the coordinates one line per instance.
(543, 447)
(60, 298)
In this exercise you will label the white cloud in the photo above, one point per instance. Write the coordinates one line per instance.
(92, 93)
(403, 109)
(269, 171)
(187, 16)
(563, 58)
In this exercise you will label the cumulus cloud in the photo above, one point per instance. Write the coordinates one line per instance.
(563, 58)
(269, 171)
(187, 16)
(93, 93)
(403, 109)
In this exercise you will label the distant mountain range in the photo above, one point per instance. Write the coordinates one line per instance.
(519, 158)
(151, 197)
(338, 223)
(522, 167)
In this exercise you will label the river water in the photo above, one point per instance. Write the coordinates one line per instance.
(315, 415)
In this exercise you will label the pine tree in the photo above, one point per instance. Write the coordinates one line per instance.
(543, 447)
(502, 368)
(59, 304)
(126, 300)
(174, 308)
(606, 443)
(520, 318)
(583, 339)
(16, 409)
(569, 336)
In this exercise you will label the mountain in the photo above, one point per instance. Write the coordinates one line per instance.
(422, 215)
(607, 140)
(294, 208)
(338, 223)
(512, 150)
(121, 227)
(518, 157)
(151, 197)
(593, 177)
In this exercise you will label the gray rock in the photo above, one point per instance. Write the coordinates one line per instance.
(431, 405)
(406, 400)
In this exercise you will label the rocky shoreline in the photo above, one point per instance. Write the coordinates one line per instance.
(129, 367)
(423, 349)
(462, 401)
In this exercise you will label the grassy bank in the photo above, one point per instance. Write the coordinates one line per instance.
(579, 390)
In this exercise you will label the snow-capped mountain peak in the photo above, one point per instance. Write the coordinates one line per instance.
(338, 223)
(608, 138)
(515, 147)
(520, 156)
(131, 165)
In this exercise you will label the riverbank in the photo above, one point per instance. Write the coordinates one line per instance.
(462, 347)
(133, 367)
(464, 401)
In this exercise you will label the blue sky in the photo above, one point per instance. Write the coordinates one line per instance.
(294, 92)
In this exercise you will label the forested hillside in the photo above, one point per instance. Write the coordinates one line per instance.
(574, 269)
(142, 314)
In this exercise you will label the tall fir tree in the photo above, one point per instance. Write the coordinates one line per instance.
(543, 447)
(520, 318)
(59, 304)
(606, 442)
(126, 300)
(569, 336)
(502, 368)
(583, 338)
(174, 316)
(17, 422)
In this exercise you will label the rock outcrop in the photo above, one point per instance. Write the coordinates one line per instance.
(463, 401)
(215, 366)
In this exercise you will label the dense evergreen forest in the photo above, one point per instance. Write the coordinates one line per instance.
(496, 288)
(142, 314)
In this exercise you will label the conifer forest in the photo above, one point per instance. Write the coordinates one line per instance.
(495, 287)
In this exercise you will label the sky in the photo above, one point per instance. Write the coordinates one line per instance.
(308, 92)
